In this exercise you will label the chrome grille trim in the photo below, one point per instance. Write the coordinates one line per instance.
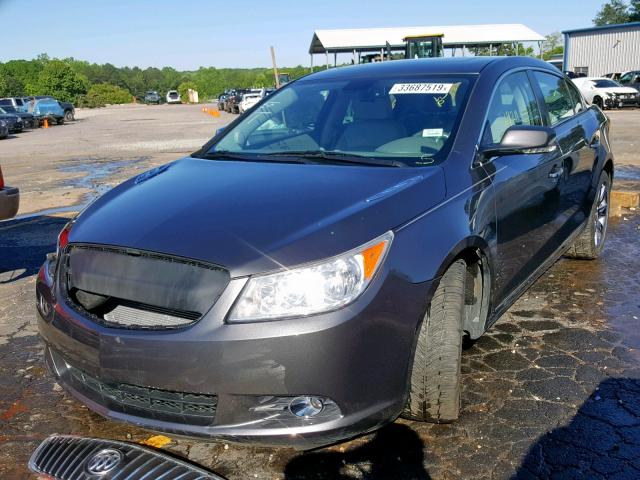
(58, 453)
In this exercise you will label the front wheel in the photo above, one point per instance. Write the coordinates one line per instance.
(590, 243)
(68, 116)
(434, 394)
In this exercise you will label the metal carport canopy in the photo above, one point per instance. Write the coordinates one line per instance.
(361, 39)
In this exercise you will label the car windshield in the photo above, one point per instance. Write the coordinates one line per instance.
(606, 83)
(8, 109)
(409, 119)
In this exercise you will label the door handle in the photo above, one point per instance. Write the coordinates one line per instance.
(556, 172)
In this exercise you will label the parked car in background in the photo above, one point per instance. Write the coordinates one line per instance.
(152, 97)
(248, 101)
(631, 79)
(28, 120)
(607, 93)
(16, 102)
(68, 107)
(571, 74)
(232, 105)
(13, 121)
(173, 96)
(9, 198)
(312, 271)
(47, 108)
(4, 129)
(222, 99)
(613, 76)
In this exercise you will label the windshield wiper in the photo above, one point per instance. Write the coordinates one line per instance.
(249, 157)
(340, 157)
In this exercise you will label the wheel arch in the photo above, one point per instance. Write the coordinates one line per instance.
(474, 250)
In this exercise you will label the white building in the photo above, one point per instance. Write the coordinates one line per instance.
(599, 50)
(456, 39)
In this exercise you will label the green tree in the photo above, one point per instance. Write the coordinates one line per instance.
(634, 11)
(616, 11)
(552, 45)
(183, 90)
(60, 81)
(102, 94)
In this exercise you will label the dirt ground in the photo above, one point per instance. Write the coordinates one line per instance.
(552, 391)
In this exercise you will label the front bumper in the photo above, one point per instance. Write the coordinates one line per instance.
(357, 358)
(9, 202)
(620, 102)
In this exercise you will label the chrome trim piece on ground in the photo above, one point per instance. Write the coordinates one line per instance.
(68, 457)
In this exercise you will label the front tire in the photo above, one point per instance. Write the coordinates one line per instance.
(590, 243)
(598, 101)
(434, 394)
(68, 116)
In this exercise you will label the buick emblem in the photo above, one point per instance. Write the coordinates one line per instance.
(104, 461)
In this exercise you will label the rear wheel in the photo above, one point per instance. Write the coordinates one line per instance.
(68, 116)
(434, 394)
(590, 243)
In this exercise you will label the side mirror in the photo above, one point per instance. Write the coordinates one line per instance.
(522, 139)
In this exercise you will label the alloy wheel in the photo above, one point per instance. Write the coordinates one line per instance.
(601, 215)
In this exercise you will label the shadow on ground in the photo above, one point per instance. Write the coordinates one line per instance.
(25, 243)
(396, 451)
(602, 441)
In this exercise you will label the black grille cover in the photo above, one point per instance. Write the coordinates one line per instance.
(151, 281)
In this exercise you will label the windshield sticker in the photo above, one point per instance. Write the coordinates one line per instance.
(432, 132)
(421, 88)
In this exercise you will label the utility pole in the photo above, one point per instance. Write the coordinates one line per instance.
(275, 67)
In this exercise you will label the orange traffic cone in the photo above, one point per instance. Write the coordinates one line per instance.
(46, 123)
(215, 113)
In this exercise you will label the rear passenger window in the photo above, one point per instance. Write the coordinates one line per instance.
(513, 103)
(575, 96)
(556, 96)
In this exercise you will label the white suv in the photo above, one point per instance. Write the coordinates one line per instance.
(173, 96)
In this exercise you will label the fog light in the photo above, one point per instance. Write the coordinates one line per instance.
(306, 406)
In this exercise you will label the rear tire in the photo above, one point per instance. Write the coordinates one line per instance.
(590, 243)
(434, 394)
(68, 116)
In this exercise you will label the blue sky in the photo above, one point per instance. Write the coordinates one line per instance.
(191, 33)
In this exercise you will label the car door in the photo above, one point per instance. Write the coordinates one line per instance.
(579, 179)
(526, 200)
(565, 114)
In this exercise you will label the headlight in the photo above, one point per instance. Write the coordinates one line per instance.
(313, 288)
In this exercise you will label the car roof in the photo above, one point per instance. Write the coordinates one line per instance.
(443, 65)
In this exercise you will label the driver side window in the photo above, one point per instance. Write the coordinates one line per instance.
(513, 103)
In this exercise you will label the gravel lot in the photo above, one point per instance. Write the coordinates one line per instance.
(552, 391)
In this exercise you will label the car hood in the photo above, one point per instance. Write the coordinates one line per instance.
(618, 90)
(254, 217)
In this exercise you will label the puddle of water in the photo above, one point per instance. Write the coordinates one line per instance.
(627, 172)
(96, 170)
